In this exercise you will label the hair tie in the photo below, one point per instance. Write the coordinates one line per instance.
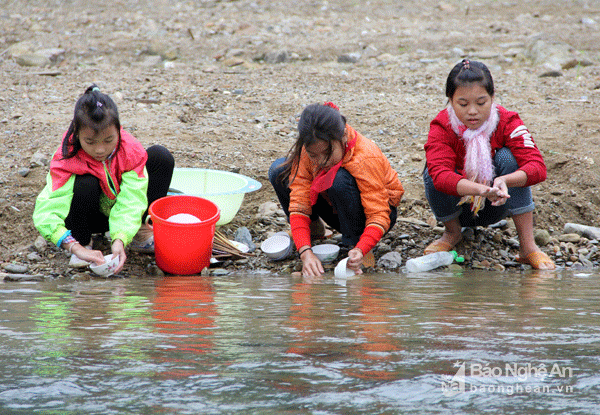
(332, 105)
(98, 104)
(95, 89)
(466, 64)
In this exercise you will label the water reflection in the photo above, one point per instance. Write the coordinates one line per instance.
(263, 343)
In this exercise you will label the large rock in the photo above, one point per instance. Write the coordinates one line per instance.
(589, 232)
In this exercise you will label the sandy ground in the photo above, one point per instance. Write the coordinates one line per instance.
(221, 84)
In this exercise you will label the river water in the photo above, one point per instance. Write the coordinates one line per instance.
(436, 342)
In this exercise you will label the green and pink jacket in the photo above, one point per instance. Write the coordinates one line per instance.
(124, 182)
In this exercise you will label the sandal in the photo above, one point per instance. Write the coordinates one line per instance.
(439, 246)
(535, 259)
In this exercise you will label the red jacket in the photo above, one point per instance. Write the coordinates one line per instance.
(445, 151)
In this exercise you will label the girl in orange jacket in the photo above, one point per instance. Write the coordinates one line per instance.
(335, 174)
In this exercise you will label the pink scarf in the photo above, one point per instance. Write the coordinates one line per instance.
(479, 167)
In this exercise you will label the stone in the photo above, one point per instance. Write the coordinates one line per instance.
(38, 159)
(242, 235)
(391, 260)
(23, 171)
(267, 209)
(589, 232)
(349, 57)
(32, 59)
(34, 256)
(569, 237)
(15, 268)
(40, 243)
(280, 56)
(542, 237)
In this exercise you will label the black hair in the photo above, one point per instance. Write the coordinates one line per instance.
(466, 72)
(317, 122)
(94, 110)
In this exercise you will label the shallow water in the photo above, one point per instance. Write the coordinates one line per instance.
(434, 342)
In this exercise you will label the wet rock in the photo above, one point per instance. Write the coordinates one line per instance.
(21, 277)
(15, 268)
(243, 236)
(154, 270)
(391, 260)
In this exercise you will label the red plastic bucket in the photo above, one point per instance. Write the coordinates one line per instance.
(183, 248)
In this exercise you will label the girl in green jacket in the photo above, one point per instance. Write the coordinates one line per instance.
(101, 179)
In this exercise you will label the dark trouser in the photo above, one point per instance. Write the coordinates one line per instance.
(85, 216)
(345, 213)
(445, 207)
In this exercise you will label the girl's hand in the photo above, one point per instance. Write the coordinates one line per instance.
(501, 192)
(311, 265)
(89, 255)
(118, 249)
(355, 258)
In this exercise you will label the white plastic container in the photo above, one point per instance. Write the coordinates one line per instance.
(432, 261)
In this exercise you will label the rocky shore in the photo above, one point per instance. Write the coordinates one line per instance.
(221, 84)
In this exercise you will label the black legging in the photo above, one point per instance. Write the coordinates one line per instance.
(85, 217)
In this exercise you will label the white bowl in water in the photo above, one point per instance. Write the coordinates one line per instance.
(277, 247)
(326, 252)
(108, 268)
(341, 271)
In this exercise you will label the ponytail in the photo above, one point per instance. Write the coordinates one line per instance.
(94, 110)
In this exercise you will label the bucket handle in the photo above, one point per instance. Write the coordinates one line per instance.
(147, 222)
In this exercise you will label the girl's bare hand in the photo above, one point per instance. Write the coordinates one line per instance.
(89, 255)
(119, 250)
(355, 259)
(311, 265)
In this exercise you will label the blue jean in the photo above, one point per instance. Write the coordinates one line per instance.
(345, 213)
(445, 207)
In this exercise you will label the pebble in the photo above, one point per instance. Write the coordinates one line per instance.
(569, 237)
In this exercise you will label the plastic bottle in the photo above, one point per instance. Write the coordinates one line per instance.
(432, 261)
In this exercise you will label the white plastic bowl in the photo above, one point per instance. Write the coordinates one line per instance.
(223, 188)
(108, 268)
(342, 272)
(277, 247)
(183, 218)
(326, 252)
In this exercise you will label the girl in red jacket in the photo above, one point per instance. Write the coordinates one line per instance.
(335, 174)
(481, 162)
(101, 179)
